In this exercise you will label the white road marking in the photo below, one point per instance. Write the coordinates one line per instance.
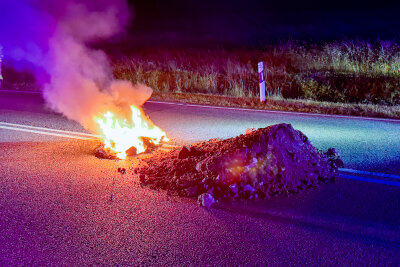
(369, 180)
(371, 174)
(23, 92)
(371, 177)
(276, 111)
(47, 131)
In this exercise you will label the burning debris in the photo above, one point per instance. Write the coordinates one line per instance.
(104, 152)
(127, 136)
(262, 163)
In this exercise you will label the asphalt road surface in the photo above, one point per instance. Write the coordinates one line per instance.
(56, 206)
(365, 144)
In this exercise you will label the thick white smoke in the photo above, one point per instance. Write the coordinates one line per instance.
(51, 38)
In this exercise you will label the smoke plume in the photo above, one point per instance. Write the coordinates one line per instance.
(51, 39)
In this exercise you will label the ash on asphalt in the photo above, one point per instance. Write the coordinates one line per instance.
(267, 162)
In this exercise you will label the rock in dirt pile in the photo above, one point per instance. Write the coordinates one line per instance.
(259, 164)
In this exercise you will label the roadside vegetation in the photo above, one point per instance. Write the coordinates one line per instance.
(345, 72)
(348, 77)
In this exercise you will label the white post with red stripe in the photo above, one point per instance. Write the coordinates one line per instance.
(1, 57)
(261, 81)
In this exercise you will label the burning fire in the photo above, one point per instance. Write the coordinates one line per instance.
(121, 134)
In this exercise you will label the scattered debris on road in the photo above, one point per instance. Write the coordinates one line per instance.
(262, 163)
(206, 200)
(104, 153)
(122, 171)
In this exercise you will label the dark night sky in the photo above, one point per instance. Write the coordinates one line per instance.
(255, 22)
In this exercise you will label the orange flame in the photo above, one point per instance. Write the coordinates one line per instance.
(119, 134)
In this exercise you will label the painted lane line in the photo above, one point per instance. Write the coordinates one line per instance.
(369, 180)
(371, 174)
(22, 92)
(276, 111)
(47, 129)
(46, 133)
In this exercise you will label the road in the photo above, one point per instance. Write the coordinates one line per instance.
(365, 144)
(56, 207)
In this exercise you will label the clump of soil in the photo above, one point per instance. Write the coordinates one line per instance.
(103, 152)
(259, 164)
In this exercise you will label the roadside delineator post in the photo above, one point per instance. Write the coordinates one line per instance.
(261, 80)
(1, 57)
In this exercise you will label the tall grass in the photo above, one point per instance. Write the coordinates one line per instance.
(347, 71)
(216, 72)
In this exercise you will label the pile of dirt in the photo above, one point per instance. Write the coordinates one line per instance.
(259, 164)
